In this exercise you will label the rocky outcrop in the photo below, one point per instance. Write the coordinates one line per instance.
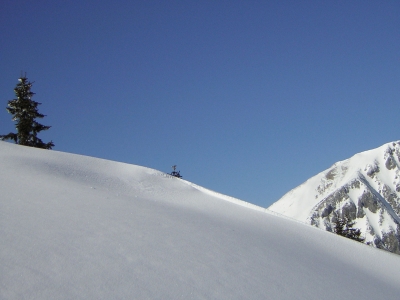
(365, 189)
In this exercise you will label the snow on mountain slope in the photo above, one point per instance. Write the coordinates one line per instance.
(365, 188)
(75, 227)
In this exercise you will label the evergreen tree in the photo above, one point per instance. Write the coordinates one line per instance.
(344, 227)
(175, 173)
(25, 112)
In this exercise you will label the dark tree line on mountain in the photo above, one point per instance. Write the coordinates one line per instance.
(344, 227)
(24, 112)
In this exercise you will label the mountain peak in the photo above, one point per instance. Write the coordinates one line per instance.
(365, 188)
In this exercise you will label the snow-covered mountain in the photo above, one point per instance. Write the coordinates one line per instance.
(76, 227)
(365, 188)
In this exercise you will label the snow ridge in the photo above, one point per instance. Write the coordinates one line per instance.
(76, 227)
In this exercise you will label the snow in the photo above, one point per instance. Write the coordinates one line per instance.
(299, 202)
(373, 221)
(288, 205)
(388, 224)
(76, 227)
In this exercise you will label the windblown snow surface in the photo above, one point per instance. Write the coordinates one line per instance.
(75, 227)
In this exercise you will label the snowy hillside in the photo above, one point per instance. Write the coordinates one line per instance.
(365, 188)
(75, 227)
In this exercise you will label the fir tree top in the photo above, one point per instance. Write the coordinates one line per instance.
(344, 227)
(24, 112)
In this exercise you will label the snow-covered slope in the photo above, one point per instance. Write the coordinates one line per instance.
(75, 227)
(365, 188)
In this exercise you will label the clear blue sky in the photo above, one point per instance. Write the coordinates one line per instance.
(248, 98)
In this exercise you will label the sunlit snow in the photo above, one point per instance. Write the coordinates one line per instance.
(376, 171)
(76, 227)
